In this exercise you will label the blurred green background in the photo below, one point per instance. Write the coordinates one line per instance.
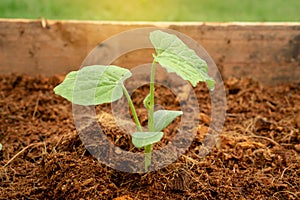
(154, 10)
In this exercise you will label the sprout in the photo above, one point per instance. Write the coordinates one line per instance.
(98, 84)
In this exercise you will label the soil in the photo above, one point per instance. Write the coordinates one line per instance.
(257, 155)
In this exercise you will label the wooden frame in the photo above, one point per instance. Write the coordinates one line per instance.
(268, 52)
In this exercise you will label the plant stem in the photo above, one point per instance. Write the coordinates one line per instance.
(136, 119)
(148, 148)
(151, 105)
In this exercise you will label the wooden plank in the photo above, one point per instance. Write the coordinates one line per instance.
(268, 52)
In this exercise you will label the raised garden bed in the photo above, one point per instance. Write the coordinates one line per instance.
(256, 157)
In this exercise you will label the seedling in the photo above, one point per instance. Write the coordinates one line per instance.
(98, 84)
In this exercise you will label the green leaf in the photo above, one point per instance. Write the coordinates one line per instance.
(93, 85)
(0, 147)
(146, 102)
(162, 118)
(175, 56)
(142, 139)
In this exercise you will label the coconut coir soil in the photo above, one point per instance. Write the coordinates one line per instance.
(256, 157)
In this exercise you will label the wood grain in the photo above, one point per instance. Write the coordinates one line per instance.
(268, 52)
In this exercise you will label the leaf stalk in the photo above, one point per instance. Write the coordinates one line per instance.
(135, 116)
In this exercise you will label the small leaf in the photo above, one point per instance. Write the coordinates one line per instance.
(142, 139)
(0, 146)
(175, 56)
(146, 102)
(93, 85)
(162, 118)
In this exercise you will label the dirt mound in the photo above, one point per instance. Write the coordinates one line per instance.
(256, 157)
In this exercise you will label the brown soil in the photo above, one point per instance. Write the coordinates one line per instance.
(257, 156)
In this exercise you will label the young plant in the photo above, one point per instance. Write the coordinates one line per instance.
(97, 84)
